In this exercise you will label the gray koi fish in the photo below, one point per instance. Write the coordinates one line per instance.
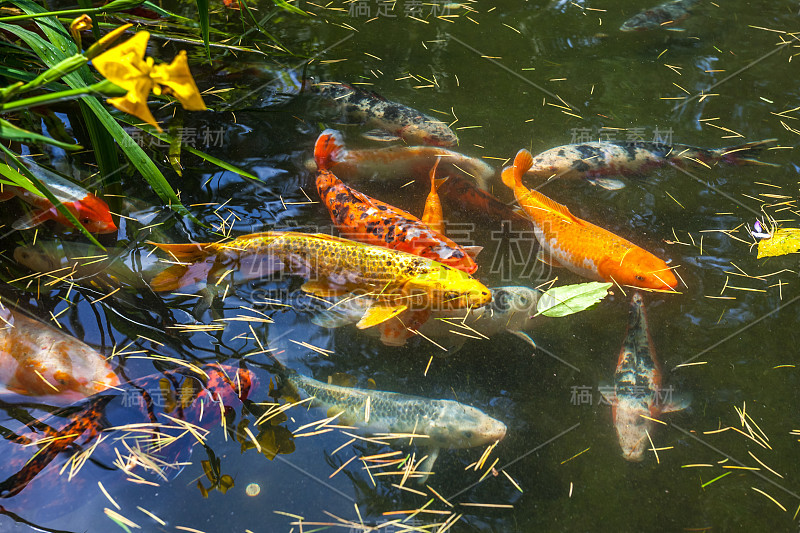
(638, 397)
(393, 120)
(664, 15)
(435, 424)
(595, 160)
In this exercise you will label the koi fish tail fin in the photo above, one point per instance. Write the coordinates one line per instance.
(329, 149)
(744, 154)
(183, 253)
(512, 176)
(177, 276)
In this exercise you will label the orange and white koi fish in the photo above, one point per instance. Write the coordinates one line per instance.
(371, 221)
(90, 210)
(393, 120)
(580, 246)
(597, 160)
(638, 397)
(408, 162)
(39, 360)
(395, 280)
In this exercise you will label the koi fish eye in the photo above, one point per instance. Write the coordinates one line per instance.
(451, 295)
(467, 434)
(639, 278)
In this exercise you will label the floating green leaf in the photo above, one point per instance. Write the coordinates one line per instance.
(569, 299)
(783, 241)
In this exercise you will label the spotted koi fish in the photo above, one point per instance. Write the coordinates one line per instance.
(595, 160)
(664, 15)
(397, 280)
(39, 360)
(366, 219)
(90, 210)
(400, 121)
(637, 397)
(408, 162)
(580, 246)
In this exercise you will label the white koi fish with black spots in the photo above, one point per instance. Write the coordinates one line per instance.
(393, 120)
(664, 15)
(598, 159)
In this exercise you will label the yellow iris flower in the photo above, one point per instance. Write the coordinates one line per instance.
(126, 66)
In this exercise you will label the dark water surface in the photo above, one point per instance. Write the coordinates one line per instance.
(506, 75)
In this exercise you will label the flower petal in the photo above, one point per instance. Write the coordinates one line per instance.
(135, 102)
(178, 79)
(124, 64)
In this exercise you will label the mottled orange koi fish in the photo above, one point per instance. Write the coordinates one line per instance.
(368, 220)
(580, 246)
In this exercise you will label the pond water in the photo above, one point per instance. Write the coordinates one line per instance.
(507, 76)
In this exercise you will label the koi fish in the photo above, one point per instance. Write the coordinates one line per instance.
(509, 311)
(436, 423)
(404, 162)
(476, 203)
(400, 121)
(374, 222)
(580, 246)
(90, 210)
(637, 397)
(594, 160)
(397, 280)
(78, 261)
(663, 15)
(39, 360)
(197, 400)
(432, 215)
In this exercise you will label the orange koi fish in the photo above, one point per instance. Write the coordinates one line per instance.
(432, 215)
(38, 360)
(580, 246)
(374, 222)
(90, 210)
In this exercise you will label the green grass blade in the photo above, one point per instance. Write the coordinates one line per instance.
(202, 13)
(12, 132)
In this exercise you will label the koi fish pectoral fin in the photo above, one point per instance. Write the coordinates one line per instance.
(377, 314)
(524, 336)
(324, 289)
(32, 219)
(676, 403)
(426, 466)
(380, 136)
(608, 184)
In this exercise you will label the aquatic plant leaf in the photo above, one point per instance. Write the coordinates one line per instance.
(11, 132)
(202, 14)
(225, 483)
(783, 241)
(570, 299)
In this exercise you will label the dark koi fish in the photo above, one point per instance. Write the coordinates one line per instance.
(400, 121)
(638, 397)
(595, 160)
(664, 15)
(90, 210)
(371, 221)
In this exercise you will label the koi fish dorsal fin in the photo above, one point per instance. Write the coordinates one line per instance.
(537, 200)
(379, 313)
(329, 149)
(512, 176)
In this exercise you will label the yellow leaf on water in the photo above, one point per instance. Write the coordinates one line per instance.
(783, 241)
